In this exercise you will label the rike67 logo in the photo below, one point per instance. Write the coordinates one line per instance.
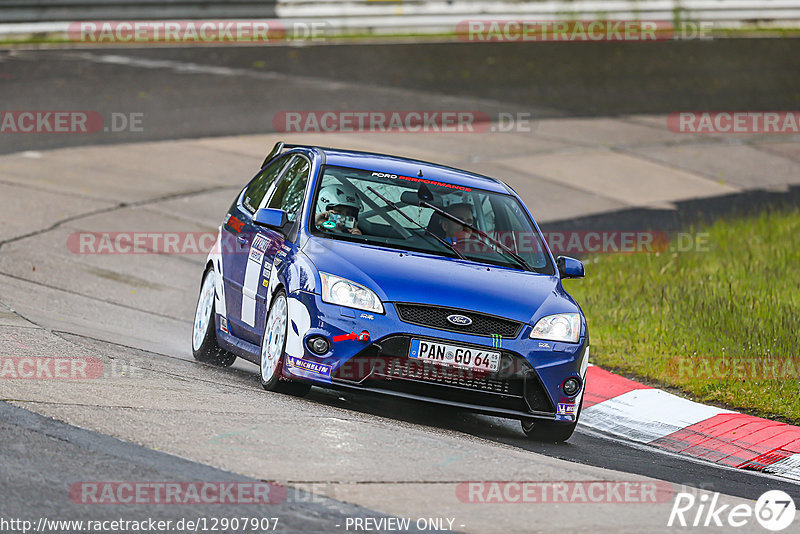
(774, 510)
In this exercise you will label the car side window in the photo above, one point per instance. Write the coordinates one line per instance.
(260, 185)
(289, 193)
(521, 237)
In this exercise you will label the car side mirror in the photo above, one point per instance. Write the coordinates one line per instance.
(570, 267)
(271, 218)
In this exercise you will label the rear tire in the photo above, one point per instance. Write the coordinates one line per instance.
(273, 350)
(204, 331)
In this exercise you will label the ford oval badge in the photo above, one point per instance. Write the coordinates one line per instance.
(459, 320)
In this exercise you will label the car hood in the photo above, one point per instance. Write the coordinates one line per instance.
(401, 276)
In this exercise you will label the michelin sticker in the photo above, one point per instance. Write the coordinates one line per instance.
(566, 409)
(306, 365)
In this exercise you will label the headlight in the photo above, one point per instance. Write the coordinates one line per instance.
(561, 327)
(337, 290)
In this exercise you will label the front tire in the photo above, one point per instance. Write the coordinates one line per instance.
(204, 331)
(273, 350)
(548, 431)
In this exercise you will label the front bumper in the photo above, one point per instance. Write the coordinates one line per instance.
(527, 384)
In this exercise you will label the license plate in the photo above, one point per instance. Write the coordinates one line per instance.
(455, 356)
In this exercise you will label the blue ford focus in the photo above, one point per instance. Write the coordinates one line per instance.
(381, 274)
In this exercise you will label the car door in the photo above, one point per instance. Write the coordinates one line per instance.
(267, 243)
(237, 236)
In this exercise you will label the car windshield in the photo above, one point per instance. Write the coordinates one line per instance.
(363, 206)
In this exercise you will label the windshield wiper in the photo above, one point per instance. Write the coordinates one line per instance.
(398, 210)
(519, 259)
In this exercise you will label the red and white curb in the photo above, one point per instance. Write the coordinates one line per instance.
(615, 405)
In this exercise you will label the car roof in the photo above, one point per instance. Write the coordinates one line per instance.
(389, 164)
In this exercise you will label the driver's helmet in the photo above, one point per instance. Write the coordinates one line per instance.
(338, 195)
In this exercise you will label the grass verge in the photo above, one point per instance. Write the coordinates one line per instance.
(721, 324)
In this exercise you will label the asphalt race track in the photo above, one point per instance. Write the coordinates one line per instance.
(154, 414)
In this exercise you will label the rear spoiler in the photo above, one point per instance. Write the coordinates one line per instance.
(277, 149)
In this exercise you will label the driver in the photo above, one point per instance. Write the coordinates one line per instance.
(454, 232)
(337, 209)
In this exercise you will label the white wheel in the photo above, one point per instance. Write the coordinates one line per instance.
(273, 347)
(204, 329)
(202, 315)
(274, 342)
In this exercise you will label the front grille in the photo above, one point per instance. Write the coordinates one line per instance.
(386, 365)
(436, 317)
(430, 372)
